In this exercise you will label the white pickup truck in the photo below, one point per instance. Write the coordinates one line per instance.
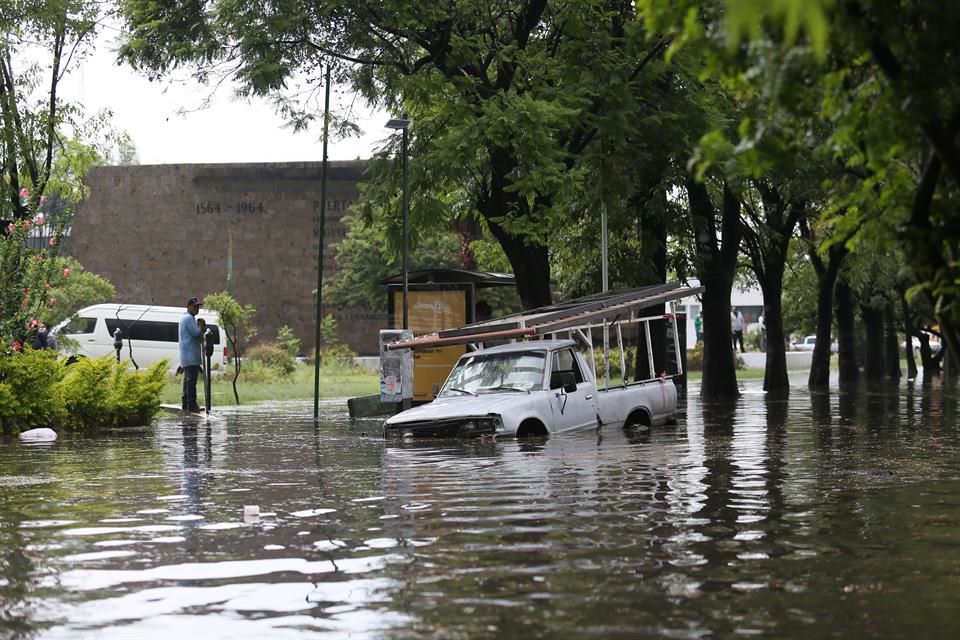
(532, 388)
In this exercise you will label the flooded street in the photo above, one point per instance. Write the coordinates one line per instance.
(826, 516)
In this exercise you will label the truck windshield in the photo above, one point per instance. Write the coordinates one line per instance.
(496, 373)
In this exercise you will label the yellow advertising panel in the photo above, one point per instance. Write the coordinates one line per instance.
(428, 312)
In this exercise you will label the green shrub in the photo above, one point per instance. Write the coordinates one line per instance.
(288, 340)
(29, 395)
(328, 330)
(255, 372)
(102, 392)
(37, 390)
(695, 358)
(273, 356)
(135, 395)
(337, 355)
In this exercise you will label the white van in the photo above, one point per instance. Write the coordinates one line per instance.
(150, 333)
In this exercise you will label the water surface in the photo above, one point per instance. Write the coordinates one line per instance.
(836, 515)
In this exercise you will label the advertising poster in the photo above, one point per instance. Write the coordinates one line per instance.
(429, 312)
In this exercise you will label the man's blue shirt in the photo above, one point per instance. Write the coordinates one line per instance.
(189, 341)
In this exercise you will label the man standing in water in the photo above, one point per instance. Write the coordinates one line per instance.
(190, 331)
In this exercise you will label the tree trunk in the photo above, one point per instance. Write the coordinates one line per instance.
(468, 230)
(891, 348)
(873, 368)
(910, 329)
(766, 240)
(716, 269)
(931, 365)
(531, 268)
(529, 259)
(820, 366)
(719, 368)
(950, 345)
(655, 250)
(846, 335)
(775, 379)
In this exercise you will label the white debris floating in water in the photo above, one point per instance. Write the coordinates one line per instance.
(39, 435)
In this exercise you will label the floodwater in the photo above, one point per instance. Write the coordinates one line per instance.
(835, 515)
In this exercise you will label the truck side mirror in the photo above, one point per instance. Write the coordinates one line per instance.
(568, 381)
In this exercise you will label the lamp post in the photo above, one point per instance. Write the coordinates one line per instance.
(403, 123)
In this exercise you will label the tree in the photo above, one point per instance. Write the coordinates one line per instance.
(365, 258)
(826, 265)
(47, 144)
(716, 263)
(81, 289)
(42, 136)
(505, 98)
(894, 107)
(236, 320)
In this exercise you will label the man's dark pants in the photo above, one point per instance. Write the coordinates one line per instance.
(190, 375)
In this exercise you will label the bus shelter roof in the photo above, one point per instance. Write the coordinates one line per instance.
(479, 279)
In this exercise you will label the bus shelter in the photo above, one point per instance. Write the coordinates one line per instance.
(437, 300)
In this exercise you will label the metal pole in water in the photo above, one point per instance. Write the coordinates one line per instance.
(323, 215)
(406, 215)
(604, 249)
(207, 354)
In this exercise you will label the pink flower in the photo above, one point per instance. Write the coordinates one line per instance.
(10, 228)
(53, 301)
(17, 346)
(34, 323)
(39, 219)
(38, 257)
(24, 193)
(23, 305)
(53, 242)
(66, 273)
(26, 224)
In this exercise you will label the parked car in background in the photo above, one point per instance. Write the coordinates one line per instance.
(809, 342)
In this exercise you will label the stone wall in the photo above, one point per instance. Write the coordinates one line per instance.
(163, 233)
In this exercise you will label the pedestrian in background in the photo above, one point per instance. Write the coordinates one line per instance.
(763, 333)
(736, 328)
(39, 339)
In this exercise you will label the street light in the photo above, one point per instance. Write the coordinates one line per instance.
(403, 124)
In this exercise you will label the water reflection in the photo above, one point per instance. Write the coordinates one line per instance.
(813, 515)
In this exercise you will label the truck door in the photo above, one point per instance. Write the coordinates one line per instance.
(574, 409)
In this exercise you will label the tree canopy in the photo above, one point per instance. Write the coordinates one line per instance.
(688, 122)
